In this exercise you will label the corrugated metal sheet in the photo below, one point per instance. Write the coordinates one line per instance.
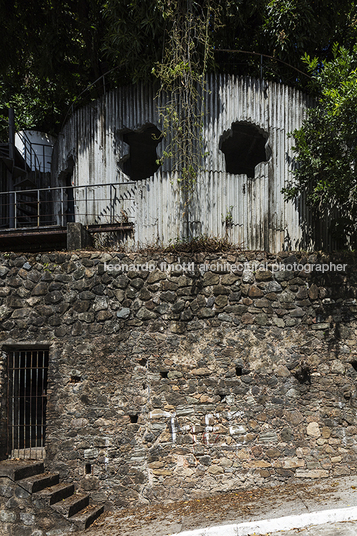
(261, 220)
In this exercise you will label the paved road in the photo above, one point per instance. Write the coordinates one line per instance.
(234, 509)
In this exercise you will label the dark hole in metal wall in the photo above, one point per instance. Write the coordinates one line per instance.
(141, 162)
(244, 146)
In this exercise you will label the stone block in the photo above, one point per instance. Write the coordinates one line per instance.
(77, 236)
(263, 275)
(156, 276)
(317, 473)
(293, 463)
(162, 472)
(210, 279)
(7, 517)
(313, 429)
(248, 276)
(123, 313)
(215, 470)
(313, 292)
(90, 453)
(257, 464)
(27, 518)
(255, 292)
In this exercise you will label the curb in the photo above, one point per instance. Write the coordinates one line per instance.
(273, 525)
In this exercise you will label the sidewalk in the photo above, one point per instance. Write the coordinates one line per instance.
(348, 528)
(228, 514)
(322, 522)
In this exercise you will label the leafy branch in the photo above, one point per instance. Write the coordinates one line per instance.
(326, 145)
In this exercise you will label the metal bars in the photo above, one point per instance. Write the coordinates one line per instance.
(32, 159)
(45, 207)
(27, 395)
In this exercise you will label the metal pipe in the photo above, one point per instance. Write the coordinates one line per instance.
(12, 404)
(24, 402)
(86, 197)
(38, 208)
(15, 209)
(75, 187)
(62, 208)
(10, 173)
(42, 391)
(30, 394)
(36, 427)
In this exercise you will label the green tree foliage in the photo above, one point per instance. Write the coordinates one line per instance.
(135, 37)
(51, 50)
(326, 145)
(293, 28)
(285, 30)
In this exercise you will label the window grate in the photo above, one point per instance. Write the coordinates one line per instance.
(27, 396)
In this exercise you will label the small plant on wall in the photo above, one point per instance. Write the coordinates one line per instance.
(228, 220)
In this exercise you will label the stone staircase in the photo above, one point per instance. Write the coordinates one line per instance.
(46, 495)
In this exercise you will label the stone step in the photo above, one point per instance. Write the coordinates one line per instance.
(70, 506)
(20, 469)
(85, 517)
(36, 483)
(47, 491)
(54, 494)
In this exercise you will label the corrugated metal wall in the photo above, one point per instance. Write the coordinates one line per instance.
(260, 217)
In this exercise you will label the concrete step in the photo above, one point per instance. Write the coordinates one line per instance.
(85, 517)
(70, 506)
(54, 494)
(36, 483)
(19, 469)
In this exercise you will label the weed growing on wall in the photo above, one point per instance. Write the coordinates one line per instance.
(186, 56)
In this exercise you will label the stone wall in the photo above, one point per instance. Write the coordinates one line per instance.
(172, 384)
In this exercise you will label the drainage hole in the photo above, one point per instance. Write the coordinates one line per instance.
(88, 469)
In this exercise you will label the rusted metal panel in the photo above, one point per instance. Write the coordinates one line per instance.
(261, 219)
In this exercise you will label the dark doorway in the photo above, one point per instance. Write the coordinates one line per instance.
(27, 397)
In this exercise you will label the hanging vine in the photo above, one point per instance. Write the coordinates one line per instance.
(186, 56)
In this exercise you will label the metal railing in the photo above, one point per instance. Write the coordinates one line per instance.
(96, 204)
(30, 156)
